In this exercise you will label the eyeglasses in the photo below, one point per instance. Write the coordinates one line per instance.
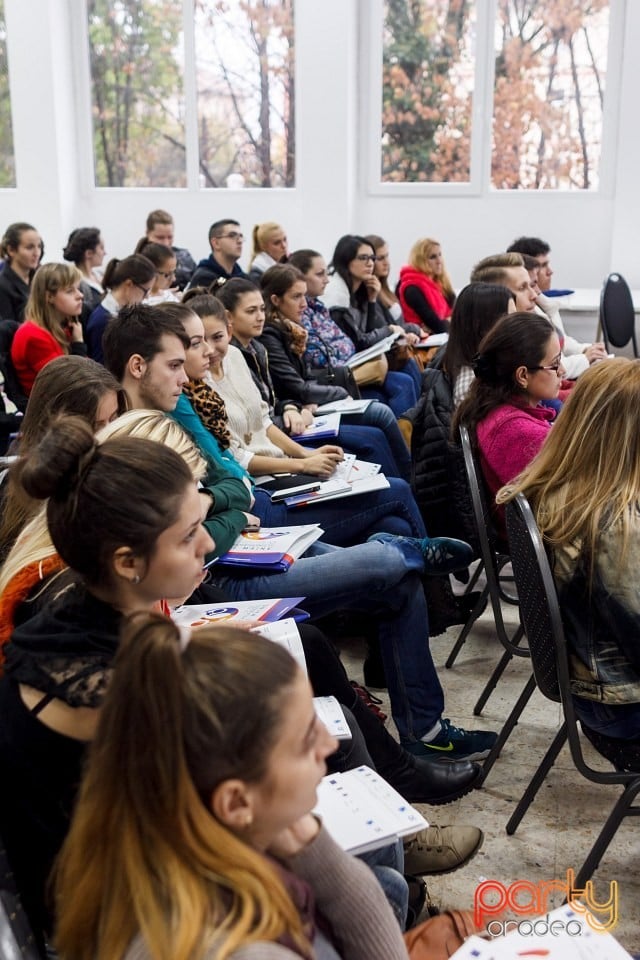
(381, 259)
(234, 235)
(555, 366)
(365, 258)
(145, 290)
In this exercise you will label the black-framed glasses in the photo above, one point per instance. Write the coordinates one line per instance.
(551, 366)
(233, 235)
(145, 290)
(366, 258)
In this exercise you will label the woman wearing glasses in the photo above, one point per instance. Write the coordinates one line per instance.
(518, 367)
(126, 282)
(425, 290)
(164, 260)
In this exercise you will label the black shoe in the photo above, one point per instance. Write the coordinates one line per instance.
(424, 780)
(455, 613)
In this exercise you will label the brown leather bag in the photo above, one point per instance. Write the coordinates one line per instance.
(439, 937)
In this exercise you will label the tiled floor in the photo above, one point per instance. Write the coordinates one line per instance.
(560, 827)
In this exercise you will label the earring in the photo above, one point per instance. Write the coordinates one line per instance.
(136, 579)
(248, 820)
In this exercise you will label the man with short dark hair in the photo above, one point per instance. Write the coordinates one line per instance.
(225, 240)
(576, 356)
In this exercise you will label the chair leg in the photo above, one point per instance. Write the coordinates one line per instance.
(508, 725)
(466, 630)
(537, 779)
(607, 833)
(500, 667)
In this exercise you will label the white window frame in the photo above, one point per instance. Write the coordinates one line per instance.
(479, 183)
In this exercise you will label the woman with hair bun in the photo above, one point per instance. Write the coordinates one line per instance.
(85, 248)
(126, 282)
(518, 367)
(269, 247)
(128, 552)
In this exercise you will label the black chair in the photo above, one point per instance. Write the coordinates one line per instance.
(540, 614)
(493, 559)
(617, 316)
(17, 941)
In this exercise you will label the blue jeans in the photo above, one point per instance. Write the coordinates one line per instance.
(352, 519)
(388, 865)
(399, 391)
(376, 577)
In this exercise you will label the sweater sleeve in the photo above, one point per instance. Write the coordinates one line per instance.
(349, 896)
(509, 445)
(288, 381)
(417, 301)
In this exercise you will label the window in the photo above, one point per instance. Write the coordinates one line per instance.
(550, 75)
(7, 161)
(246, 92)
(136, 54)
(427, 89)
(537, 67)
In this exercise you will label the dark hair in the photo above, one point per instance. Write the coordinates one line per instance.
(519, 339)
(275, 282)
(192, 292)
(303, 259)
(138, 329)
(157, 253)
(216, 228)
(346, 250)
(80, 241)
(11, 238)
(69, 386)
(207, 305)
(230, 294)
(534, 246)
(176, 311)
(476, 310)
(91, 511)
(530, 263)
(156, 217)
(136, 268)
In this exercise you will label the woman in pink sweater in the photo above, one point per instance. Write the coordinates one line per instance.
(518, 366)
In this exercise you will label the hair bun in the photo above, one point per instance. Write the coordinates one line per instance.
(484, 368)
(54, 466)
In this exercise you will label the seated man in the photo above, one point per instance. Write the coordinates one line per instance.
(578, 356)
(225, 240)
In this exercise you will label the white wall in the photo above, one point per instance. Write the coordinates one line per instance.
(590, 234)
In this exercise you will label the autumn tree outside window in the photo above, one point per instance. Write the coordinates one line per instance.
(7, 161)
(548, 79)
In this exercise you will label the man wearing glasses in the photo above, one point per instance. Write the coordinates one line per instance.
(225, 239)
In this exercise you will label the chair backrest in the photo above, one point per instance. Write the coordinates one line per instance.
(539, 608)
(482, 515)
(17, 941)
(617, 315)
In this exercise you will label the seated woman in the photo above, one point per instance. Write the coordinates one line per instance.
(219, 376)
(373, 435)
(269, 247)
(223, 853)
(164, 260)
(129, 553)
(21, 249)
(125, 281)
(387, 299)
(85, 249)
(518, 366)
(584, 489)
(160, 229)
(66, 386)
(352, 297)
(52, 326)
(425, 290)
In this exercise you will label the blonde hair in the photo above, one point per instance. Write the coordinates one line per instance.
(419, 259)
(587, 474)
(47, 282)
(493, 269)
(34, 542)
(260, 236)
(173, 727)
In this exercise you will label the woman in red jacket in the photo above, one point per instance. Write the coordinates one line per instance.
(52, 328)
(425, 291)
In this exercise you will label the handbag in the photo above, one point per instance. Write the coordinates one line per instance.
(371, 373)
(439, 937)
(337, 377)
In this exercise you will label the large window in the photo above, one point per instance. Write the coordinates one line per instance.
(7, 162)
(538, 66)
(237, 91)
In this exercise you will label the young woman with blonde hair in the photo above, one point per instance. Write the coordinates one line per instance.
(584, 488)
(269, 247)
(52, 326)
(425, 290)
